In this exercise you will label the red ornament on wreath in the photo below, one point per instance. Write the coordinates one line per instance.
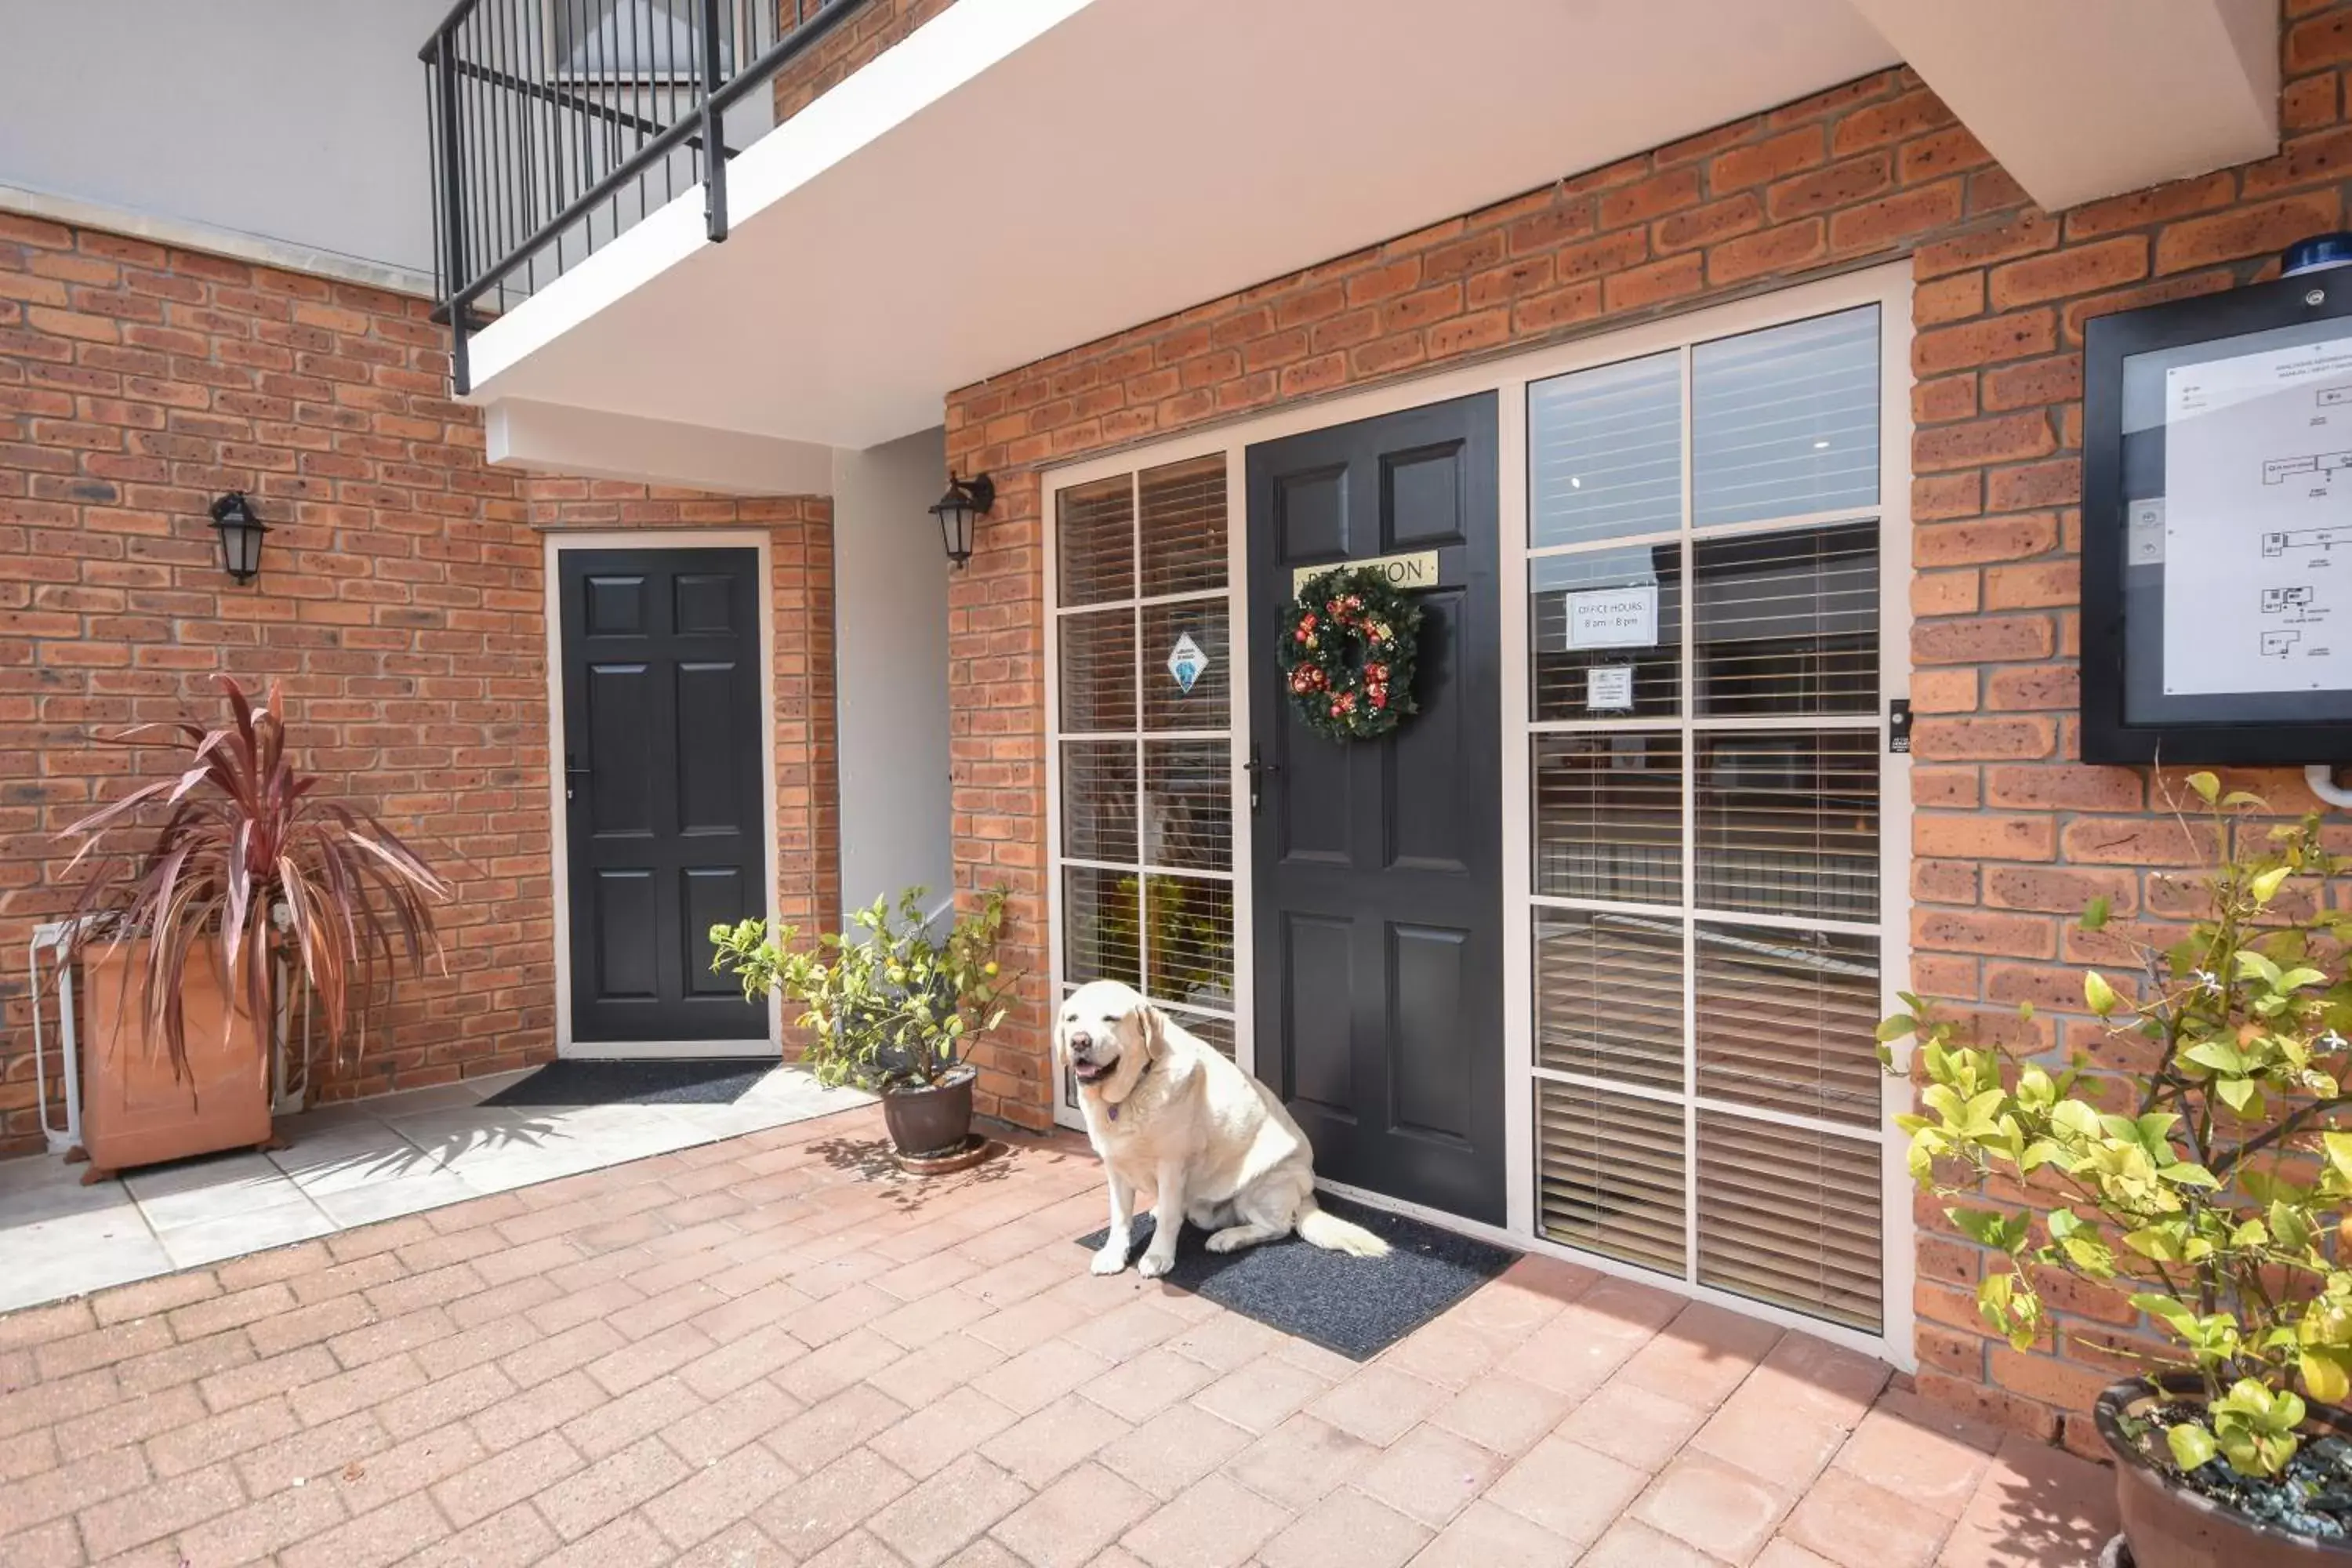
(1346, 653)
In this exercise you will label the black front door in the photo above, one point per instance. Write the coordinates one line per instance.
(663, 785)
(1378, 864)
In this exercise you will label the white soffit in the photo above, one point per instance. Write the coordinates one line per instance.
(2085, 99)
(549, 438)
(1024, 176)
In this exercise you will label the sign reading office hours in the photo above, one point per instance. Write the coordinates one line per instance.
(1613, 617)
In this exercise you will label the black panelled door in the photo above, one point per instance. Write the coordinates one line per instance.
(667, 816)
(1378, 864)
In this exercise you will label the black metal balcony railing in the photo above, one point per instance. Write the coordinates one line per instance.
(556, 126)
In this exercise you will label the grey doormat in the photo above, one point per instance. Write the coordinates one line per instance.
(681, 1081)
(1356, 1306)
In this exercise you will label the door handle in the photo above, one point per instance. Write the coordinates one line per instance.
(1257, 767)
(572, 769)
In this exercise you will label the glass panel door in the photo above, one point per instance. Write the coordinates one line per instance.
(1705, 758)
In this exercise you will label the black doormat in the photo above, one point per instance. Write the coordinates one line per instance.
(1356, 1306)
(682, 1081)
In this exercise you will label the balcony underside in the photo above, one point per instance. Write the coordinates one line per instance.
(1024, 176)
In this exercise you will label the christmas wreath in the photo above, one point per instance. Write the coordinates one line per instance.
(1347, 653)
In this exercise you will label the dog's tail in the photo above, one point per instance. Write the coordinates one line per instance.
(1333, 1234)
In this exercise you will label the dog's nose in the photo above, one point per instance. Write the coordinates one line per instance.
(1080, 1040)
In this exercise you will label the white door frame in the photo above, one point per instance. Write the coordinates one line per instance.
(1888, 286)
(557, 543)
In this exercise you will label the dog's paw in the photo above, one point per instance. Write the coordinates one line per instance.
(1224, 1241)
(1155, 1264)
(1110, 1261)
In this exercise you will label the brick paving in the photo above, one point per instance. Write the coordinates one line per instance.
(771, 1351)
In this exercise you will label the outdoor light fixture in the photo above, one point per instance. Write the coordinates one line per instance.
(965, 501)
(240, 536)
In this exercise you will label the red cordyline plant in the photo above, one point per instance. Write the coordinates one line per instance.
(246, 851)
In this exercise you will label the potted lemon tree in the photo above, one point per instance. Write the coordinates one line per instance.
(890, 1008)
(2206, 1182)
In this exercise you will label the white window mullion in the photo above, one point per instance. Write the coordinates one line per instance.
(1142, 883)
(1690, 688)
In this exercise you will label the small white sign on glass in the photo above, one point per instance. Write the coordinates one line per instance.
(1609, 689)
(1186, 662)
(1614, 617)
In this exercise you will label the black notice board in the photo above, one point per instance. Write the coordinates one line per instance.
(2217, 528)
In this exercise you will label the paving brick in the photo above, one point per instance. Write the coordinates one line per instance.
(830, 1503)
(589, 1498)
(68, 1489)
(1344, 1530)
(935, 1521)
(1568, 1489)
(1214, 1524)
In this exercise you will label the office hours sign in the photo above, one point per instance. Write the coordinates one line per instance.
(2217, 593)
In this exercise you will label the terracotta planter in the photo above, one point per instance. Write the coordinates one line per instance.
(2168, 1526)
(134, 1111)
(926, 1122)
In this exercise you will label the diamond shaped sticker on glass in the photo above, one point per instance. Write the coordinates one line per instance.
(1186, 662)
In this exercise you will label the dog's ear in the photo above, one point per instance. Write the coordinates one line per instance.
(1152, 1027)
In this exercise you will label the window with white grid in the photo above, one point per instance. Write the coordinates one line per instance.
(1143, 738)
(1706, 750)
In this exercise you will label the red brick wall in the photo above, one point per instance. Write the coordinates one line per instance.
(400, 605)
(853, 43)
(2011, 833)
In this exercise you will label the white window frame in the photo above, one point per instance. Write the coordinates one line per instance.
(557, 543)
(1888, 286)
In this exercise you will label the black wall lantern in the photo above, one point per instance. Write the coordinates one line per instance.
(965, 501)
(240, 536)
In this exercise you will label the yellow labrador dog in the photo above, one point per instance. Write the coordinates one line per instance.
(1165, 1111)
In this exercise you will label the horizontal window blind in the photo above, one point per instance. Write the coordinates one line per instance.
(1610, 1174)
(1609, 996)
(1188, 803)
(1792, 1217)
(1788, 623)
(1609, 815)
(1785, 421)
(1182, 513)
(1788, 1021)
(1788, 822)
(1095, 542)
(1605, 452)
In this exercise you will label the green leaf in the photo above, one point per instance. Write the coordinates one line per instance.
(2324, 1378)
(2098, 993)
(1898, 1026)
(2192, 1445)
(2238, 1093)
(2164, 1243)
(2207, 787)
(2095, 913)
(2216, 1054)
(2339, 1151)
(2265, 887)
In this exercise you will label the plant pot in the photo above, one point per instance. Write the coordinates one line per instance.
(930, 1122)
(2166, 1525)
(134, 1109)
